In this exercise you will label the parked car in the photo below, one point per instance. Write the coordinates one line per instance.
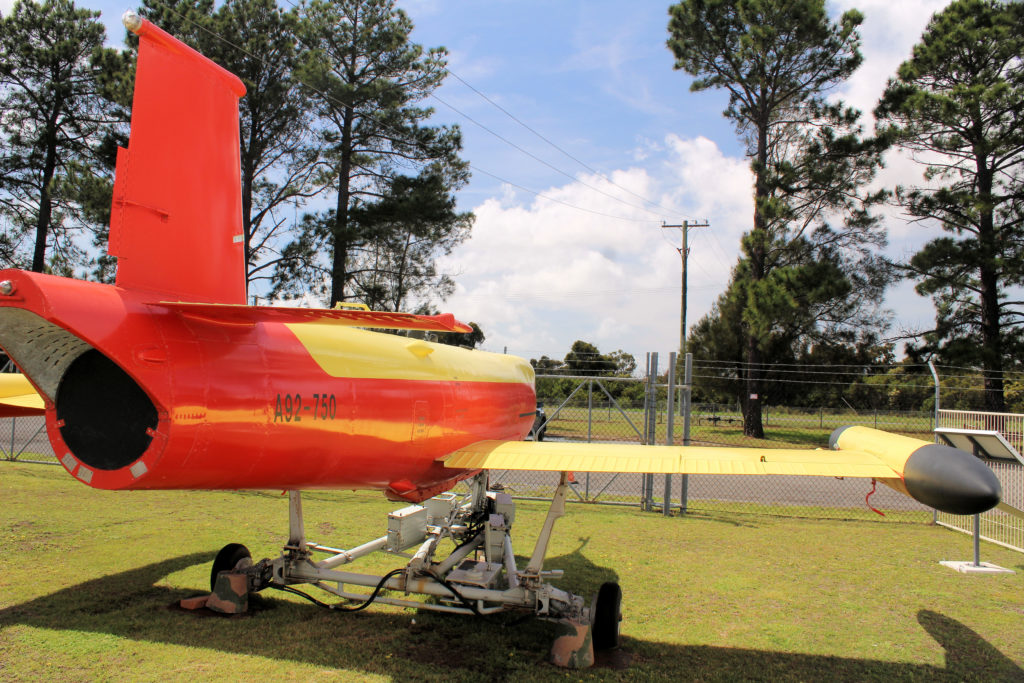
(540, 424)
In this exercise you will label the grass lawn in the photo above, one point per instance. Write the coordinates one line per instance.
(89, 578)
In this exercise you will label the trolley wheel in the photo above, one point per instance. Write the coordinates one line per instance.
(229, 557)
(607, 614)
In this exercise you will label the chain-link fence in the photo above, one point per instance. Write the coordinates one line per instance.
(24, 439)
(625, 410)
(995, 525)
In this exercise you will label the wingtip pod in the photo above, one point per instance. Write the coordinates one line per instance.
(945, 478)
(951, 480)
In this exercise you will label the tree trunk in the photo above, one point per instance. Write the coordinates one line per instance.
(752, 424)
(988, 280)
(342, 236)
(45, 200)
(751, 402)
(248, 176)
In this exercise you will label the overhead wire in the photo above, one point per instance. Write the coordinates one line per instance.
(535, 157)
(472, 166)
(552, 144)
(975, 373)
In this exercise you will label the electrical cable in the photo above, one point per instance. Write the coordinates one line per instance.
(524, 125)
(342, 102)
(337, 607)
(867, 498)
(537, 158)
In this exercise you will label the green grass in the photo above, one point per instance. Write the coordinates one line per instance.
(89, 576)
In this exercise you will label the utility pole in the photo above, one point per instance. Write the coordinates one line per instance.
(684, 252)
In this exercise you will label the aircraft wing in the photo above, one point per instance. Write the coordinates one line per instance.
(945, 478)
(18, 397)
(594, 457)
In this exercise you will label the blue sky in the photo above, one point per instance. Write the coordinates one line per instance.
(571, 247)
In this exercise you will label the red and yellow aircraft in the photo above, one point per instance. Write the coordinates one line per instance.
(167, 380)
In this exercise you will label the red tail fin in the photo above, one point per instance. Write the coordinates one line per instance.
(176, 220)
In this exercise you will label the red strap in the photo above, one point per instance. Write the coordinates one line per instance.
(874, 485)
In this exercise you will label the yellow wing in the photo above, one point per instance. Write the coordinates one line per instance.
(18, 397)
(593, 457)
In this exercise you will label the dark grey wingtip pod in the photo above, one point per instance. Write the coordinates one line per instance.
(951, 480)
(945, 478)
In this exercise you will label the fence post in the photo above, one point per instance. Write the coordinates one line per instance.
(670, 435)
(935, 376)
(647, 409)
(647, 395)
(652, 424)
(590, 409)
(687, 395)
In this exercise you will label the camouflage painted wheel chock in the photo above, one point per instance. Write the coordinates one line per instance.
(230, 595)
(574, 646)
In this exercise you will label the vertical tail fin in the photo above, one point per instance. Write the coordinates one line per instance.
(176, 219)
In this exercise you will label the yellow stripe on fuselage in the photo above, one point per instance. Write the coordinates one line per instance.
(359, 354)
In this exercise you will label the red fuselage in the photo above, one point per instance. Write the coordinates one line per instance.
(143, 395)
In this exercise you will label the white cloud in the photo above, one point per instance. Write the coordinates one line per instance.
(537, 277)
(889, 32)
(538, 274)
(6, 6)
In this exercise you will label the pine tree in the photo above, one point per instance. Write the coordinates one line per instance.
(958, 106)
(51, 118)
(256, 41)
(778, 59)
(367, 79)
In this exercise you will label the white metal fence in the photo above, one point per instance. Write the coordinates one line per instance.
(995, 525)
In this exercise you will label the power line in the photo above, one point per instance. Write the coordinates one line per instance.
(505, 181)
(545, 139)
(537, 158)
(517, 296)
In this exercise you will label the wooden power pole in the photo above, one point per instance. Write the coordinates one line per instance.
(684, 252)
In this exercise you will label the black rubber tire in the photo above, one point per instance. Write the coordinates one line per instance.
(227, 559)
(607, 615)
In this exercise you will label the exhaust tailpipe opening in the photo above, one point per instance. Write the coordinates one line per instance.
(104, 414)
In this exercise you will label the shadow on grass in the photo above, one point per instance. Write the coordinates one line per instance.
(426, 646)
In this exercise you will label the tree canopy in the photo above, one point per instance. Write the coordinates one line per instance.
(381, 162)
(957, 105)
(51, 117)
(808, 266)
(332, 109)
